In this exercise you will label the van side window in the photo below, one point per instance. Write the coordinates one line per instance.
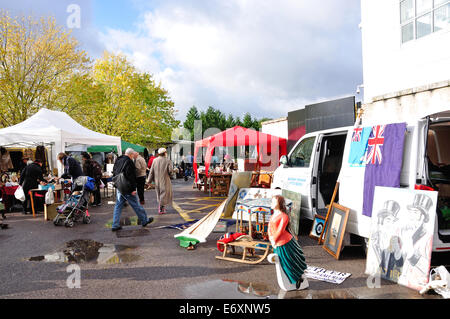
(301, 156)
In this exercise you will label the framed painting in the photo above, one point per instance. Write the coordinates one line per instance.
(318, 227)
(334, 234)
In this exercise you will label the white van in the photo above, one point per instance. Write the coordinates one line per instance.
(317, 160)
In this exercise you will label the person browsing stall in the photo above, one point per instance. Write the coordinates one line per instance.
(93, 169)
(30, 179)
(71, 167)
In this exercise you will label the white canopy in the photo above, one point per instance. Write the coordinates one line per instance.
(56, 128)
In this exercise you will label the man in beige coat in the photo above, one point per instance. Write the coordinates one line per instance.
(141, 175)
(160, 173)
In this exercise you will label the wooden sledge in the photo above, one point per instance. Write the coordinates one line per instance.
(248, 255)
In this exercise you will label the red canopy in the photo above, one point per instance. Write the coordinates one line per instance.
(265, 144)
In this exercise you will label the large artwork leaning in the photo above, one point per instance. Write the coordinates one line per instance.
(401, 238)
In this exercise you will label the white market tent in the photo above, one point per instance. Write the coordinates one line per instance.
(56, 129)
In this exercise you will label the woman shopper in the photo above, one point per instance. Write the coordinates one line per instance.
(160, 174)
(93, 169)
(285, 246)
(30, 178)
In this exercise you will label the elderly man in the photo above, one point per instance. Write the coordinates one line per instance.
(160, 173)
(124, 179)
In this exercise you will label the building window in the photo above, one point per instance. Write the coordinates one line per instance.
(419, 18)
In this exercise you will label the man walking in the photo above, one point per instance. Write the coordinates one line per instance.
(124, 173)
(160, 174)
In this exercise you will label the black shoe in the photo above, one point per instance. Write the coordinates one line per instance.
(149, 221)
(116, 229)
(299, 283)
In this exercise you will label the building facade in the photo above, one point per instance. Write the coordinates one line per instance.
(406, 58)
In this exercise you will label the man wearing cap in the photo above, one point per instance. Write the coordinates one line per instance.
(160, 173)
(125, 181)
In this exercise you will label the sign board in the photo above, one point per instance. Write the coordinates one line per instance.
(401, 237)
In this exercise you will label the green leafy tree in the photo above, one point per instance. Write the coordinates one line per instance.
(191, 116)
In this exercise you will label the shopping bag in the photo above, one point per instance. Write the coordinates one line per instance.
(49, 197)
(19, 194)
(439, 282)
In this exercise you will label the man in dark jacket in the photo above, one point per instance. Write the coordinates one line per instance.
(29, 179)
(127, 193)
(93, 169)
(71, 166)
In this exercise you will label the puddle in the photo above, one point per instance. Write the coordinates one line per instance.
(229, 289)
(89, 251)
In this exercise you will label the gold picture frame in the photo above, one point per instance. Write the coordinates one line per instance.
(335, 229)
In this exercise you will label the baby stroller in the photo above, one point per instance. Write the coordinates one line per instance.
(75, 207)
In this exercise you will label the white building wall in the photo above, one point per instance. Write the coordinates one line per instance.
(390, 66)
(401, 81)
(277, 128)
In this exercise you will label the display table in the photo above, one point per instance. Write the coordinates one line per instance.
(219, 183)
(106, 179)
(8, 197)
(59, 195)
(202, 182)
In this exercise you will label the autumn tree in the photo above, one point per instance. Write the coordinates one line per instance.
(37, 57)
(121, 101)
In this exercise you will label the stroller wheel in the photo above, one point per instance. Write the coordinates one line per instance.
(86, 220)
(69, 223)
(56, 221)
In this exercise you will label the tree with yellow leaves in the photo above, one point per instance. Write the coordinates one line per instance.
(37, 58)
(124, 102)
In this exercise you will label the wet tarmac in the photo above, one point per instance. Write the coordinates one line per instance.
(89, 251)
(231, 289)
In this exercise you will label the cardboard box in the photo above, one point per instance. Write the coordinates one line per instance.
(50, 211)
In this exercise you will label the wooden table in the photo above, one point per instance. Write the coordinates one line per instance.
(59, 195)
(219, 183)
(7, 195)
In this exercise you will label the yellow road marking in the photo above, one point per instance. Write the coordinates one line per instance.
(200, 210)
(180, 211)
(185, 214)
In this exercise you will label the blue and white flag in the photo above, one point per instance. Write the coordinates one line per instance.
(358, 147)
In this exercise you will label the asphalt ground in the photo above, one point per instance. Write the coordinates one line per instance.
(151, 264)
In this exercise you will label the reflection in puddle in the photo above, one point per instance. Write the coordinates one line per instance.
(89, 251)
(232, 289)
(229, 289)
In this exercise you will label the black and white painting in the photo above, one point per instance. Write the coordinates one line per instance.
(401, 238)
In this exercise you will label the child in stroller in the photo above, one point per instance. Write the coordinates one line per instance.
(76, 206)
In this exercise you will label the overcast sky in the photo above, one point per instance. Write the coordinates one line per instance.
(263, 57)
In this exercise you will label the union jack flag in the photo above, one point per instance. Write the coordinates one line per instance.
(357, 134)
(376, 141)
